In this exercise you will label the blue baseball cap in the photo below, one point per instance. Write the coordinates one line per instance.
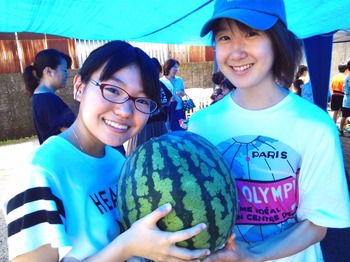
(258, 14)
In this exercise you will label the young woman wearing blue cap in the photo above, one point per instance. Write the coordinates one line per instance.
(62, 206)
(284, 152)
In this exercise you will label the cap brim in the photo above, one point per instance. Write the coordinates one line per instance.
(256, 20)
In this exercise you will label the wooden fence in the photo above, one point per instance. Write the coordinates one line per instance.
(17, 50)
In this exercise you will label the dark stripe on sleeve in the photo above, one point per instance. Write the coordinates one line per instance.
(32, 219)
(35, 194)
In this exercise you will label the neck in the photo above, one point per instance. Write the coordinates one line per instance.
(170, 77)
(257, 100)
(76, 138)
(44, 89)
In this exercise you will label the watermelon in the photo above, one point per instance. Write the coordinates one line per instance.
(186, 170)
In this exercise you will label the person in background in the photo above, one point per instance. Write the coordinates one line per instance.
(307, 93)
(346, 102)
(217, 79)
(62, 206)
(224, 89)
(42, 79)
(175, 84)
(301, 78)
(156, 123)
(337, 92)
(217, 95)
(227, 87)
(177, 116)
(283, 151)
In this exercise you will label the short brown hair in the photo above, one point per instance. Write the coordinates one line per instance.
(170, 63)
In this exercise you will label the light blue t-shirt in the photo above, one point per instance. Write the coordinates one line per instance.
(306, 92)
(65, 198)
(346, 88)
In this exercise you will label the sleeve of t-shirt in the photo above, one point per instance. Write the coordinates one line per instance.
(323, 192)
(30, 209)
(58, 114)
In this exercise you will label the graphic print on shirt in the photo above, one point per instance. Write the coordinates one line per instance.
(105, 200)
(266, 174)
(163, 98)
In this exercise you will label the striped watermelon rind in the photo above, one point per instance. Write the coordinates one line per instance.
(186, 170)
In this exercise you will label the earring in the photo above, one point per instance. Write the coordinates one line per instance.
(76, 93)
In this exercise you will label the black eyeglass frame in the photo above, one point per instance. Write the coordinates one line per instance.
(129, 97)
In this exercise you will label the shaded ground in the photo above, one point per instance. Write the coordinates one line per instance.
(335, 246)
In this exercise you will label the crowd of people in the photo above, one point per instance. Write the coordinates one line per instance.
(283, 151)
(339, 92)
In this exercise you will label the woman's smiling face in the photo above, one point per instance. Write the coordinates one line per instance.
(110, 123)
(245, 56)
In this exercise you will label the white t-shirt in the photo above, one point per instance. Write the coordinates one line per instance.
(65, 198)
(287, 163)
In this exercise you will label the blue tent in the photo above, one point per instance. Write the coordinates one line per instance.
(173, 22)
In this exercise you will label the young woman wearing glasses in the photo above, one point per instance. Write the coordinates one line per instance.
(64, 206)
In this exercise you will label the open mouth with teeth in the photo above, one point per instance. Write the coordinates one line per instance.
(115, 125)
(242, 68)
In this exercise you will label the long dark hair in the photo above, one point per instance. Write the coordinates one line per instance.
(287, 50)
(45, 58)
(116, 55)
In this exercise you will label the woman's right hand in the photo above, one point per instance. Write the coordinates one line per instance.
(145, 239)
(233, 251)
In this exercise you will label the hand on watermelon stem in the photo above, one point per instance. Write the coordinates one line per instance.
(148, 241)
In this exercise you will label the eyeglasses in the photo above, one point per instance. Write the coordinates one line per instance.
(118, 95)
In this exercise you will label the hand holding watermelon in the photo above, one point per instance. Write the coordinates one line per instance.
(146, 240)
(189, 172)
(233, 251)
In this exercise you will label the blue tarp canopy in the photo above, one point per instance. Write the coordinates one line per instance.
(172, 22)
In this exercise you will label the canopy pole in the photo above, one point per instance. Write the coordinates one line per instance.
(318, 51)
